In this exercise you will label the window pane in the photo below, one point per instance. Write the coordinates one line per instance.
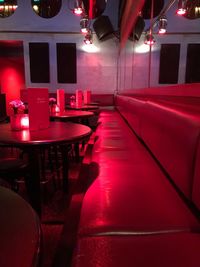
(66, 62)
(46, 8)
(169, 63)
(7, 8)
(39, 62)
(193, 64)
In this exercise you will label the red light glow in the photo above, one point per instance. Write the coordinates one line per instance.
(25, 134)
(84, 30)
(150, 42)
(78, 11)
(181, 12)
(25, 122)
(57, 109)
(12, 78)
(19, 122)
(162, 31)
(87, 41)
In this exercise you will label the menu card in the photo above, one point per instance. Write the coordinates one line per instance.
(38, 108)
(87, 96)
(61, 99)
(79, 98)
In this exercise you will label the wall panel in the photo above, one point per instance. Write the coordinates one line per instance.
(66, 63)
(39, 62)
(169, 63)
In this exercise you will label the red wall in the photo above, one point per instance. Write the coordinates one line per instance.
(12, 78)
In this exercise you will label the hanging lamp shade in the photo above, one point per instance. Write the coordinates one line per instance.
(149, 39)
(78, 7)
(162, 24)
(181, 7)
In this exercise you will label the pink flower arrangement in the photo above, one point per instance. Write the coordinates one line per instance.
(52, 101)
(17, 106)
(72, 101)
(52, 104)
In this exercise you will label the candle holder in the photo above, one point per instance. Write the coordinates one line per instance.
(72, 101)
(19, 122)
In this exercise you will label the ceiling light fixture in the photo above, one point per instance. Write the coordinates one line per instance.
(78, 7)
(197, 10)
(84, 23)
(162, 25)
(88, 38)
(149, 39)
(181, 7)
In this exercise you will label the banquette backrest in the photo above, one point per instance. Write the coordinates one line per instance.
(172, 135)
(196, 179)
(131, 109)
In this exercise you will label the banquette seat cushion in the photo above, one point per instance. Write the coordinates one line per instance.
(130, 194)
(174, 250)
(133, 214)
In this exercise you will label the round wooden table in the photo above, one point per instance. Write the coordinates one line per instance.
(58, 133)
(93, 103)
(20, 231)
(83, 107)
(77, 116)
(72, 115)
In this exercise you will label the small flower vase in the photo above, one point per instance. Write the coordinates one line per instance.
(19, 122)
(52, 108)
(72, 101)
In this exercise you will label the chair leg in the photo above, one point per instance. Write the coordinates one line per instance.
(15, 186)
(65, 167)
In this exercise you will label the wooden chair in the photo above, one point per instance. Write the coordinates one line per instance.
(12, 167)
